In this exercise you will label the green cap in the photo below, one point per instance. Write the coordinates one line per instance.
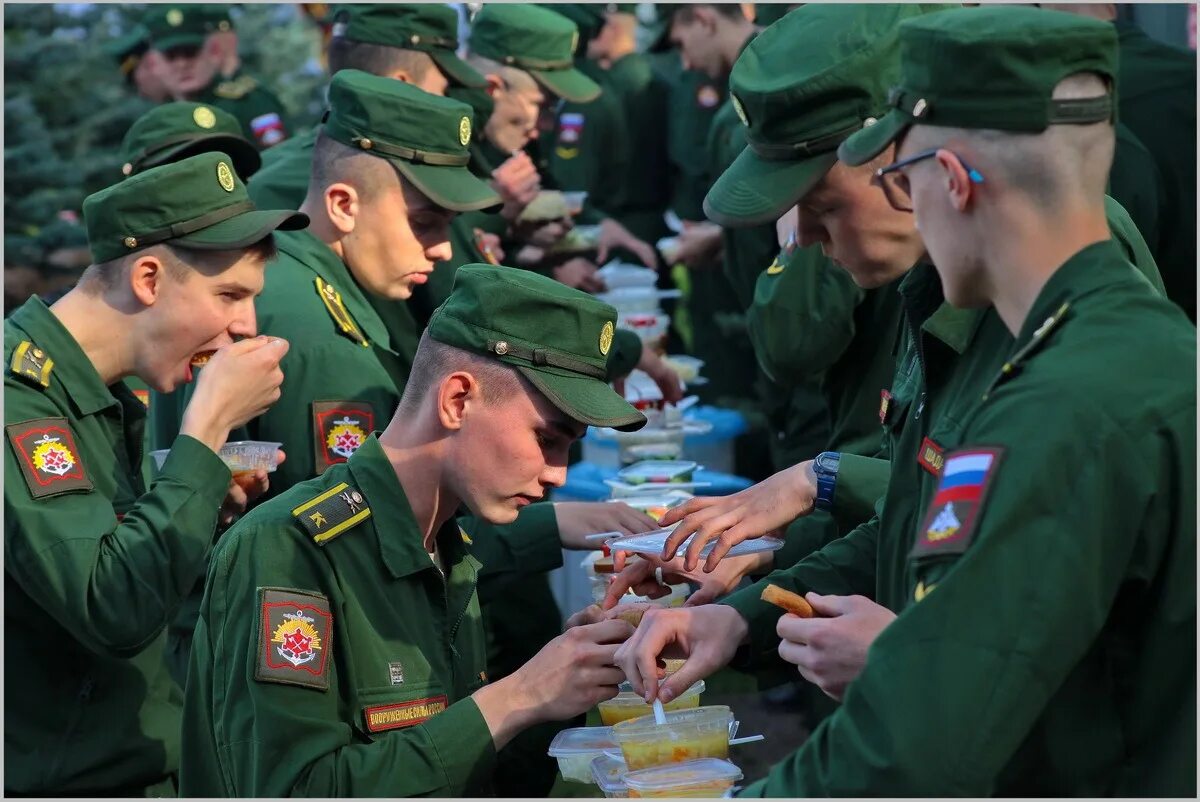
(588, 17)
(197, 203)
(425, 136)
(536, 40)
(798, 110)
(174, 131)
(429, 27)
(559, 338)
(127, 50)
(993, 67)
(180, 25)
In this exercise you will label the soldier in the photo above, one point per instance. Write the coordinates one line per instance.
(340, 651)
(97, 561)
(998, 528)
(189, 37)
(141, 66)
(174, 131)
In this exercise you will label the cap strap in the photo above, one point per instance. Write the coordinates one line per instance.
(809, 147)
(539, 357)
(195, 224)
(344, 134)
(1081, 110)
(527, 63)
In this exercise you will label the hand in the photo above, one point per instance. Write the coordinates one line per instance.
(488, 245)
(594, 614)
(764, 509)
(239, 383)
(529, 256)
(570, 675)
(831, 650)
(707, 636)
(580, 274)
(542, 234)
(578, 519)
(517, 183)
(642, 578)
(245, 488)
(699, 245)
(615, 235)
(664, 376)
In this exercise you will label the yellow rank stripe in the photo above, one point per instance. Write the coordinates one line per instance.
(343, 526)
(19, 356)
(18, 359)
(45, 377)
(308, 505)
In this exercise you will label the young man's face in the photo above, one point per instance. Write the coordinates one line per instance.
(149, 79)
(511, 453)
(694, 35)
(189, 69)
(514, 121)
(399, 234)
(196, 313)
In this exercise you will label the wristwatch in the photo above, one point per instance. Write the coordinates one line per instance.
(825, 466)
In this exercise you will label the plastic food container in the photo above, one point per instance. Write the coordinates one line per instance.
(636, 298)
(627, 704)
(577, 747)
(653, 542)
(575, 201)
(242, 456)
(687, 735)
(656, 504)
(609, 773)
(669, 248)
(658, 472)
(688, 367)
(617, 275)
(708, 778)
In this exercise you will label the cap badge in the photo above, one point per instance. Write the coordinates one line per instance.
(606, 338)
(920, 107)
(867, 123)
(225, 176)
(741, 112)
(464, 131)
(501, 348)
(204, 117)
(127, 169)
(174, 18)
(130, 242)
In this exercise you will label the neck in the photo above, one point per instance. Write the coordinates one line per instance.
(732, 40)
(1034, 246)
(92, 320)
(320, 226)
(619, 50)
(417, 458)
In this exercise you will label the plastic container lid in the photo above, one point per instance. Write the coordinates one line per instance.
(683, 775)
(581, 741)
(609, 773)
(659, 471)
(652, 543)
(239, 455)
(626, 687)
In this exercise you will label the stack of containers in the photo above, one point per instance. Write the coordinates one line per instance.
(632, 291)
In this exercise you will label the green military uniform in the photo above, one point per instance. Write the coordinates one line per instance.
(260, 113)
(692, 101)
(334, 656)
(959, 372)
(174, 131)
(1156, 93)
(1135, 183)
(97, 561)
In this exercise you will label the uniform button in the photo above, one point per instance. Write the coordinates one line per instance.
(131, 242)
(502, 348)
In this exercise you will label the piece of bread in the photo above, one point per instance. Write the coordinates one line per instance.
(633, 617)
(549, 205)
(792, 602)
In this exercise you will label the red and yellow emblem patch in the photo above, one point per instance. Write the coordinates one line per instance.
(929, 456)
(49, 458)
(885, 403)
(339, 429)
(403, 714)
(294, 638)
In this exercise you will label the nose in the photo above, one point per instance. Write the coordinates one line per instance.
(809, 231)
(246, 322)
(554, 475)
(441, 251)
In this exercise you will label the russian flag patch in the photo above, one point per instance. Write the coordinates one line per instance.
(950, 520)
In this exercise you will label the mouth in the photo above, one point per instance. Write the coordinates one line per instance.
(524, 500)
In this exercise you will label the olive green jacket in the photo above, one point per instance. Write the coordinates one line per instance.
(263, 118)
(1046, 595)
(95, 566)
(333, 656)
(282, 181)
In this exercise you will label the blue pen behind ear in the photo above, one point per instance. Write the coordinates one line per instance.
(974, 175)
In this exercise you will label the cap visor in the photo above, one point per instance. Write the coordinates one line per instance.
(246, 160)
(244, 230)
(453, 188)
(586, 400)
(177, 40)
(753, 191)
(569, 84)
(457, 70)
(867, 143)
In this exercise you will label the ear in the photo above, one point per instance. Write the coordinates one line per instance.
(146, 277)
(343, 206)
(456, 394)
(957, 183)
(402, 76)
(495, 86)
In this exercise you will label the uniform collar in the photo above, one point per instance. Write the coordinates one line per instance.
(78, 375)
(319, 258)
(922, 290)
(1092, 268)
(400, 540)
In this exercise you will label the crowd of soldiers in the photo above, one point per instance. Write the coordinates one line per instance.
(945, 255)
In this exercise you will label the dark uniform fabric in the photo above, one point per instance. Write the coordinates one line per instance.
(263, 118)
(692, 101)
(282, 181)
(95, 565)
(1135, 183)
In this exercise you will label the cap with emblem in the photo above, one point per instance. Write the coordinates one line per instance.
(174, 131)
(797, 111)
(423, 135)
(429, 27)
(536, 40)
(557, 337)
(128, 49)
(198, 203)
(178, 25)
(992, 67)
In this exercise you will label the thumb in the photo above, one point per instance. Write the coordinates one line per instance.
(829, 606)
(602, 253)
(707, 594)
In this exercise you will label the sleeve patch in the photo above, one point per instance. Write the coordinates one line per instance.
(404, 714)
(950, 521)
(49, 457)
(339, 428)
(295, 631)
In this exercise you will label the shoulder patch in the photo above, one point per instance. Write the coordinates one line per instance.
(570, 128)
(295, 636)
(49, 457)
(950, 520)
(268, 129)
(32, 364)
(337, 310)
(339, 428)
(333, 512)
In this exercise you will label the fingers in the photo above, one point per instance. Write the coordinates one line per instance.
(726, 541)
(235, 497)
(645, 253)
(833, 606)
(711, 527)
(280, 456)
(608, 631)
(623, 581)
(692, 670)
(798, 654)
(706, 594)
(791, 627)
(687, 508)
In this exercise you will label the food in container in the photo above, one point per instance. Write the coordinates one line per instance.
(686, 367)
(609, 773)
(628, 705)
(708, 778)
(687, 735)
(243, 457)
(656, 504)
(652, 543)
(575, 201)
(548, 205)
(658, 471)
(577, 747)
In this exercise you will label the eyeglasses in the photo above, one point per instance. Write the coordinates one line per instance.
(894, 182)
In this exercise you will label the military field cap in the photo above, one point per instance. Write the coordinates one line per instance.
(425, 136)
(588, 17)
(557, 337)
(537, 40)
(798, 110)
(992, 67)
(127, 50)
(198, 202)
(174, 131)
(429, 27)
(178, 25)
